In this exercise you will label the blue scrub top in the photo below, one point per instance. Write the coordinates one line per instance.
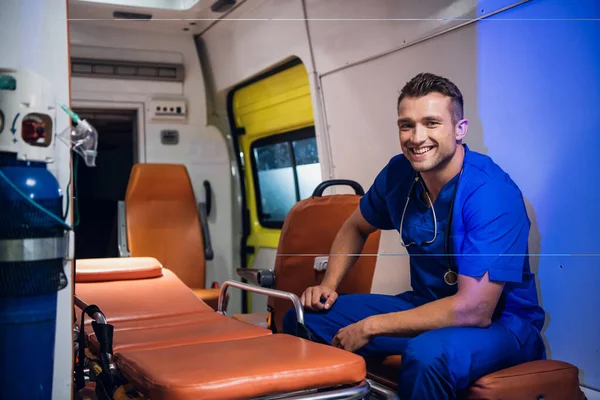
(489, 233)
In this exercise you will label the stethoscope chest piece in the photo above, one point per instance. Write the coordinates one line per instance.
(451, 278)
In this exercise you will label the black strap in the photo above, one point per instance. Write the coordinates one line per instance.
(79, 377)
(104, 334)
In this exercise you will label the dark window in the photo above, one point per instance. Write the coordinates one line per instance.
(287, 170)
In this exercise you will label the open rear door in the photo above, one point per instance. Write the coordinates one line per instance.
(274, 123)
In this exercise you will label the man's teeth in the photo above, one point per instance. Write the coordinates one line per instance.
(422, 150)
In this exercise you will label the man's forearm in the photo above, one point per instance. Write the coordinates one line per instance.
(445, 312)
(344, 253)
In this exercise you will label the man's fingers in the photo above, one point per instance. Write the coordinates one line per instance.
(331, 298)
(316, 299)
(307, 295)
(312, 298)
(336, 342)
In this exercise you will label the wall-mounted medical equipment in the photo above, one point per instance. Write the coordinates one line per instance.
(82, 137)
(33, 232)
(168, 109)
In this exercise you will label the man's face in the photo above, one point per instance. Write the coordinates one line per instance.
(427, 134)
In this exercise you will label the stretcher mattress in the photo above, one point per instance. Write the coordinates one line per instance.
(142, 298)
(205, 328)
(239, 369)
(113, 269)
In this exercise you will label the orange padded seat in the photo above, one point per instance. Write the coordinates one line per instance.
(162, 222)
(115, 269)
(239, 369)
(141, 298)
(207, 327)
(308, 230)
(547, 379)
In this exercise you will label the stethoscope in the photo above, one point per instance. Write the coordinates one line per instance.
(450, 277)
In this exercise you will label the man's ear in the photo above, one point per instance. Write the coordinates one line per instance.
(460, 129)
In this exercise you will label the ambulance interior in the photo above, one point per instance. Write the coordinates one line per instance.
(232, 140)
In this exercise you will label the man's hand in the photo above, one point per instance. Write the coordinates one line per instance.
(311, 298)
(353, 337)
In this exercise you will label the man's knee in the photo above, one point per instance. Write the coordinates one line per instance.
(428, 359)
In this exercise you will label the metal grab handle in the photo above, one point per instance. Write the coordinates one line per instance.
(82, 305)
(264, 291)
(203, 216)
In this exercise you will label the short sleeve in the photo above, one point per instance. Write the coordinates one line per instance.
(373, 205)
(496, 230)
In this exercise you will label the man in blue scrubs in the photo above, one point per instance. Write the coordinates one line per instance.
(473, 307)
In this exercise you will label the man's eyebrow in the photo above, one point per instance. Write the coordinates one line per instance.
(404, 120)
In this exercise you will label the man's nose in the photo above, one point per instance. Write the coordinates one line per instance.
(419, 134)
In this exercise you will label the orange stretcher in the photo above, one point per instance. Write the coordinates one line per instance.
(168, 344)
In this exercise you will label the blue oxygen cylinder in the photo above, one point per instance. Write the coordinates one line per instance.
(33, 249)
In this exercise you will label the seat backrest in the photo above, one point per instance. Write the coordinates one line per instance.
(309, 231)
(162, 220)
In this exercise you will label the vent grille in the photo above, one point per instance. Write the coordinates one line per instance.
(114, 69)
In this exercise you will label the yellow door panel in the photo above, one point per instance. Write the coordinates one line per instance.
(277, 105)
(273, 105)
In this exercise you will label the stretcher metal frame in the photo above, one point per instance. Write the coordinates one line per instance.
(346, 392)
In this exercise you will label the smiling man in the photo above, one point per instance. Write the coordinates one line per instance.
(473, 307)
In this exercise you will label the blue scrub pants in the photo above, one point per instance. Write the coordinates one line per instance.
(436, 364)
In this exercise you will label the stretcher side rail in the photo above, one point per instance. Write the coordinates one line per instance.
(382, 391)
(301, 330)
(357, 392)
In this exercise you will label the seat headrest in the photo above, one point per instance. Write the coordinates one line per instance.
(159, 182)
(117, 269)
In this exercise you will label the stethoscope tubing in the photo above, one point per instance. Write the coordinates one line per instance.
(450, 277)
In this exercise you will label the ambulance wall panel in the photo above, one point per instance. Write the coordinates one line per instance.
(344, 32)
(201, 148)
(255, 37)
(528, 77)
(360, 106)
(537, 88)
